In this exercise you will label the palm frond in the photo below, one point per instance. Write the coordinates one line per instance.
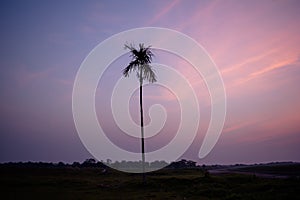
(131, 67)
(148, 73)
(141, 60)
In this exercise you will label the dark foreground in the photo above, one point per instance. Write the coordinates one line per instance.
(92, 183)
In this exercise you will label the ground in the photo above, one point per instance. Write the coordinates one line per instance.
(92, 183)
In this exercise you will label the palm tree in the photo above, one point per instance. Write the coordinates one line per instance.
(141, 59)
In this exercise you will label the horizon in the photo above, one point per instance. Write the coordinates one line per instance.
(255, 46)
(105, 162)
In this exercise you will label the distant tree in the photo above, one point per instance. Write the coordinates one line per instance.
(158, 164)
(61, 164)
(90, 162)
(183, 164)
(75, 164)
(191, 164)
(100, 165)
(108, 161)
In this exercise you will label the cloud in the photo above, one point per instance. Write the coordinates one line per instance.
(248, 61)
(280, 64)
(163, 12)
(202, 16)
(267, 69)
(239, 125)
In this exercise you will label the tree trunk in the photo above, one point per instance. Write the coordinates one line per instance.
(142, 127)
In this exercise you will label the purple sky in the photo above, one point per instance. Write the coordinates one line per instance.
(255, 45)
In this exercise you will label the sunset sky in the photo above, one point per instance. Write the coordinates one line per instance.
(255, 45)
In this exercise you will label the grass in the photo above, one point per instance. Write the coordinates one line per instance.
(90, 183)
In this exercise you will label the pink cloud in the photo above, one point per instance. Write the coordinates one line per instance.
(163, 12)
(274, 66)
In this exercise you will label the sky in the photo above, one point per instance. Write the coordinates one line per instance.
(254, 44)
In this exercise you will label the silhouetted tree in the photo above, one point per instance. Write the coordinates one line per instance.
(158, 164)
(182, 164)
(61, 164)
(141, 59)
(75, 164)
(90, 162)
(108, 161)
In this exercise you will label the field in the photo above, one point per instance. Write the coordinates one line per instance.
(92, 183)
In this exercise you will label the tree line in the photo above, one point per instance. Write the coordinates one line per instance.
(92, 163)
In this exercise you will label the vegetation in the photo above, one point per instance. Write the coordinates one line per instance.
(89, 181)
(141, 59)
